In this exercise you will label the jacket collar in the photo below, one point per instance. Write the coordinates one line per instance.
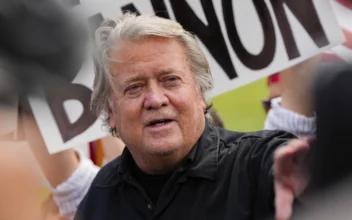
(202, 161)
(203, 158)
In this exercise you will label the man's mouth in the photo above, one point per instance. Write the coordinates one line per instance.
(159, 122)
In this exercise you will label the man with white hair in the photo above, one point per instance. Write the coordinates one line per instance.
(150, 81)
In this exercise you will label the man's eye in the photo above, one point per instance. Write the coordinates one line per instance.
(172, 80)
(133, 88)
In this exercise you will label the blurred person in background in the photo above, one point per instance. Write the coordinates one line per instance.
(215, 118)
(69, 173)
(290, 103)
(113, 147)
(274, 90)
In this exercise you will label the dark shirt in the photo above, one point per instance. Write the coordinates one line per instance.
(227, 175)
(153, 185)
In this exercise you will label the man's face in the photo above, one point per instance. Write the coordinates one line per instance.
(157, 108)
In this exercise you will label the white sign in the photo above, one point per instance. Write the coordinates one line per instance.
(231, 32)
(64, 119)
(243, 41)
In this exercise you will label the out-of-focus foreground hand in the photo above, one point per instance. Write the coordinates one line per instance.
(290, 178)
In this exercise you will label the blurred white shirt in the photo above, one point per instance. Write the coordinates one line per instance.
(69, 194)
(279, 118)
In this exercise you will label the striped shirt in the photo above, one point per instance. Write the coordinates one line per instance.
(69, 194)
(280, 118)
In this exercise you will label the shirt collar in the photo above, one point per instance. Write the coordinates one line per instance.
(202, 160)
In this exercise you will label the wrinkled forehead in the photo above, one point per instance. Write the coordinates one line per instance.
(152, 52)
(125, 50)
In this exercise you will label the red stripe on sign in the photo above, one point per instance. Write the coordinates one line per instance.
(348, 36)
(346, 3)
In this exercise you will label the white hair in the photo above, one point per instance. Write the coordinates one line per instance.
(130, 27)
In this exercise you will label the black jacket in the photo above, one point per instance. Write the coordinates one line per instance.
(227, 175)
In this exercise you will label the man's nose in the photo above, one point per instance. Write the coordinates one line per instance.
(155, 97)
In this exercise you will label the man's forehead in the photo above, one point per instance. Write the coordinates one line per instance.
(146, 49)
(152, 56)
(158, 73)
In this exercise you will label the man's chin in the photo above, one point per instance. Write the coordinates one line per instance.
(162, 153)
(162, 150)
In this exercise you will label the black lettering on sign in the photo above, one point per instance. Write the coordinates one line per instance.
(210, 35)
(307, 15)
(77, 92)
(130, 8)
(160, 8)
(266, 56)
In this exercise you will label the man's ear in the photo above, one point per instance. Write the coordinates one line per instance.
(202, 101)
(111, 115)
(204, 105)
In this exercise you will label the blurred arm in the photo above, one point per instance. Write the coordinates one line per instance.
(113, 147)
(68, 173)
(293, 111)
(58, 167)
(280, 118)
(69, 194)
(297, 87)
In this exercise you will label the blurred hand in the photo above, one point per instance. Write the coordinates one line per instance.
(290, 178)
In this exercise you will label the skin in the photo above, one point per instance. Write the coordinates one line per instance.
(153, 81)
(297, 87)
(289, 178)
(21, 181)
(275, 90)
(113, 147)
(57, 167)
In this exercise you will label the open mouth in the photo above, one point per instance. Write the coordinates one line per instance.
(159, 122)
